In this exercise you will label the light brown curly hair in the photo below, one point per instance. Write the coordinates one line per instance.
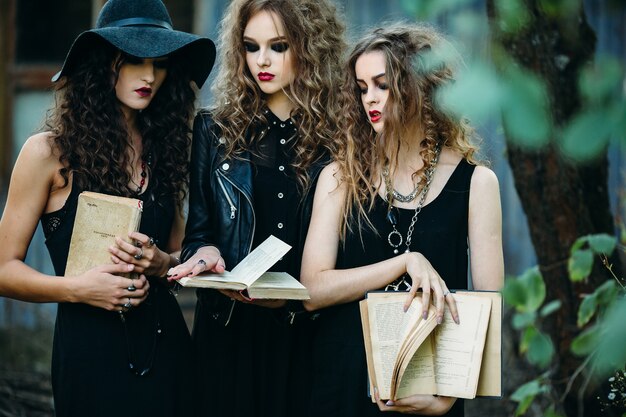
(418, 61)
(315, 36)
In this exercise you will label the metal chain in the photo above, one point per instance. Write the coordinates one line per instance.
(429, 178)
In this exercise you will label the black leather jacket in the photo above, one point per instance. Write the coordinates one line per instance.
(221, 211)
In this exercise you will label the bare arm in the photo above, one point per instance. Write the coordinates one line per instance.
(329, 286)
(27, 199)
(485, 231)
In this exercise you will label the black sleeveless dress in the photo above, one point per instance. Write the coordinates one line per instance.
(340, 384)
(92, 348)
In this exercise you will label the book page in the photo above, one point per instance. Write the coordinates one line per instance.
(459, 347)
(490, 379)
(419, 374)
(278, 285)
(365, 324)
(260, 260)
(388, 323)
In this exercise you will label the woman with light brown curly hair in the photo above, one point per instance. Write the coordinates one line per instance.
(395, 211)
(256, 156)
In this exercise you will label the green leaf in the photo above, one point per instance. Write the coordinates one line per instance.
(525, 109)
(587, 309)
(460, 97)
(551, 413)
(522, 320)
(550, 308)
(580, 242)
(580, 264)
(607, 292)
(587, 341)
(587, 135)
(611, 354)
(525, 395)
(540, 350)
(601, 79)
(534, 287)
(602, 243)
(512, 15)
(527, 336)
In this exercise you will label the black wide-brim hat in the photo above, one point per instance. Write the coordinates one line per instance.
(143, 28)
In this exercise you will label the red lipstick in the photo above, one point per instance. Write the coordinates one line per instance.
(265, 76)
(144, 91)
(375, 115)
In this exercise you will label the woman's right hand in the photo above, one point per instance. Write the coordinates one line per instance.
(424, 276)
(206, 259)
(102, 287)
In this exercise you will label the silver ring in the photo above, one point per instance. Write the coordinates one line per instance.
(128, 305)
(150, 242)
(139, 255)
(132, 287)
(445, 293)
(202, 262)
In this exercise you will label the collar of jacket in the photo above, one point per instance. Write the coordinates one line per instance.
(238, 172)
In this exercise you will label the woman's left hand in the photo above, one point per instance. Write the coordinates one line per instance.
(424, 405)
(145, 255)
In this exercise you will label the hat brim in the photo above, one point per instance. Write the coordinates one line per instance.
(147, 42)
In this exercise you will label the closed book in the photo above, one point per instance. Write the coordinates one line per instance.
(99, 219)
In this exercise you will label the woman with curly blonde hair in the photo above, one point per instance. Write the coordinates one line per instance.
(395, 211)
(256, 156)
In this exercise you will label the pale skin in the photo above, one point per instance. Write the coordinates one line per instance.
(329, 286)
(268, 54)
(30, 196)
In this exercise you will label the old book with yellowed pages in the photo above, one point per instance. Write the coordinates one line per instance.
(251, 275)
(99, 219)
(408, 355)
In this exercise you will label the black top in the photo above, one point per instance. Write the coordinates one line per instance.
(92, 348)
(340, 377)
(275, 190)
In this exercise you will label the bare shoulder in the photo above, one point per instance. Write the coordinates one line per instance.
(39, 147)
(484, 179)
(330, 183)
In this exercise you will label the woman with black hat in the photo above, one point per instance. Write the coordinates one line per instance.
(120, 126)
(255, 159)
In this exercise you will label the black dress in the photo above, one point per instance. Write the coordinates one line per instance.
(340, 384)
(252, 361)
(92, 348)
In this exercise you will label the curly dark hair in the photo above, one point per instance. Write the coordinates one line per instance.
(91, 138)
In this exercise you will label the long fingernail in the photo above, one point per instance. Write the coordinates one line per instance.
(390, 403)
(456, 320)
(439, 320)
(425, 315)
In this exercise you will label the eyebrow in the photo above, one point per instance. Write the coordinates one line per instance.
(375, 77)
(278, 38)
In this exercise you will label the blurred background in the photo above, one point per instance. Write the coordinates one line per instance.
(35, 36)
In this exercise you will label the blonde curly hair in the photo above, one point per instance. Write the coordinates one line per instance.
(418, 61)
(315, 36)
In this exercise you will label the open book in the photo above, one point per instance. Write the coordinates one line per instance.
(99, 219)
(251, 275)
(407, 355)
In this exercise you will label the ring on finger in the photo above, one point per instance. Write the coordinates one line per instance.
(446, 292)
(150, 242)
(202, 262)
(139, 255)
(132, 287)
(128, 304)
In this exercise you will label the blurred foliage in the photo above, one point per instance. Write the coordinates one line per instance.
(600, 317)
(522, 101)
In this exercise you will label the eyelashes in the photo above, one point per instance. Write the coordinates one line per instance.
(279, 47)
(382, 86)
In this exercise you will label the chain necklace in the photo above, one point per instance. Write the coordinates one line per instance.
(395, 238)
(396, 195)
